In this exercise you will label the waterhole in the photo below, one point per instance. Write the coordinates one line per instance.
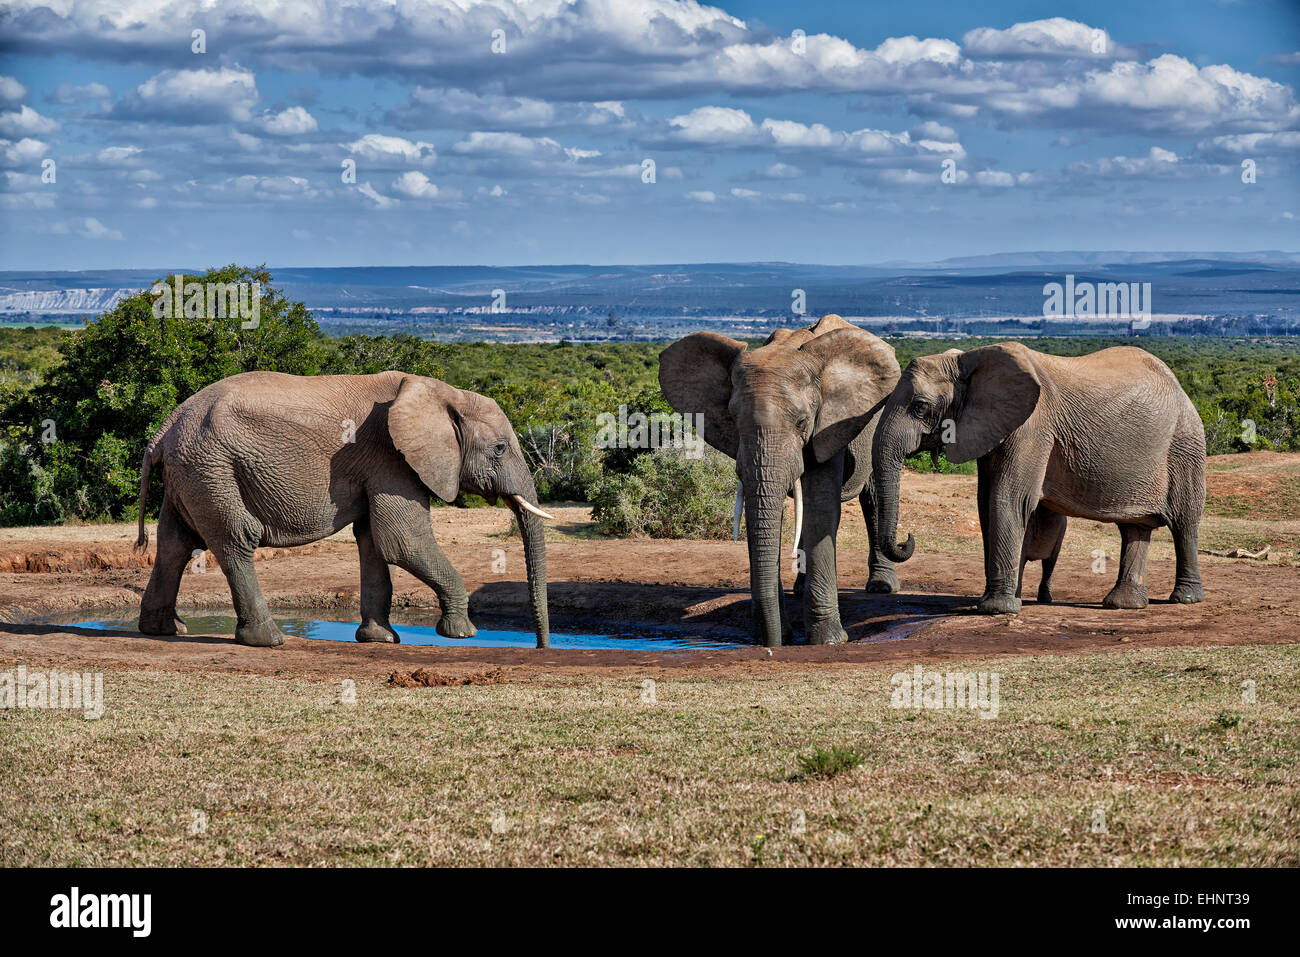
(327, 630)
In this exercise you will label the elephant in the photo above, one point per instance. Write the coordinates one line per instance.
(1109, 436)
(1043, 537)
(268, 459)
(796, 413)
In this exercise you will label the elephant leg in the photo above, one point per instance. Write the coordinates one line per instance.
(821, 598)
(1004, 538)
(1188, 589)
(376, 589)
(1020, 581)
(233, 537)
(1130, 589)
(176, 544)
(401, 533)
(982, 483)
(1045, 585)
(882, 579)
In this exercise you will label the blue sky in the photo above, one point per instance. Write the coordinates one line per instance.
(1100, 125)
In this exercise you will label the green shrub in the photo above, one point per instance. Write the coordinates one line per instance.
(923, 463)
(668, 495)
(827, 762)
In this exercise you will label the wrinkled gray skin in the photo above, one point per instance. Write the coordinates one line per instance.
(1109, 437)
(270, 459)
(1043, 538)
(799, 408)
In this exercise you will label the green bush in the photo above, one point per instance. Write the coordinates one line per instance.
(923, 463)
(667, 494)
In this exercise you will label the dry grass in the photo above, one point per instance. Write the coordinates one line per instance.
(581, 770)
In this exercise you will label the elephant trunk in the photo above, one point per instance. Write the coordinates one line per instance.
(887, 466)
(764, 510)
(533, 533)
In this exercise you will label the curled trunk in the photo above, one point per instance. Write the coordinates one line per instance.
(887, 465)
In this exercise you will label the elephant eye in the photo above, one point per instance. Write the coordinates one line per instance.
(920, 407)
(499, 450)
(802, 423)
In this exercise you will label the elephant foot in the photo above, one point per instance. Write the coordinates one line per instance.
(161, 623)
(260, 634)
(999, 605)
(1044, 595)
(1126, 595)
(372, 630)
(456, 625)
(826, 633)
(1188, 593)
(883, 581)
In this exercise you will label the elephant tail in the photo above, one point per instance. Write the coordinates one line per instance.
(146, 466)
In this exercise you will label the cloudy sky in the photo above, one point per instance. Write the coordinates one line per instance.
(348, 132)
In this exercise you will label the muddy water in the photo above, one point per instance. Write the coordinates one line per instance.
(327, 630)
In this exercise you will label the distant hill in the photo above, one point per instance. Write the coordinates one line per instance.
(620, 302)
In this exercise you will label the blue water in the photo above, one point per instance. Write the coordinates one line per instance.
(425, 635)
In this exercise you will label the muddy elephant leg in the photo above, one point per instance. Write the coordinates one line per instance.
(882, 579)
(376, 589)
(233, 545)
(176, 544)
(821, 597)
(402, 536)
(1187, 583)
(1008, 515)
(1130, 589)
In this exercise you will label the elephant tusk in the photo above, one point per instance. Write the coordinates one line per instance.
(529, 507)
(735, 518)
(798, 514)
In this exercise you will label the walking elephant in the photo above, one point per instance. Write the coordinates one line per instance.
(796, 413)
(1109, 437)
(264, 458)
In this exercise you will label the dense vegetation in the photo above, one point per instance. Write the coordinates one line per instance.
(77, 407)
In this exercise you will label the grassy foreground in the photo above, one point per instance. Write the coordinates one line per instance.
(1147, 757)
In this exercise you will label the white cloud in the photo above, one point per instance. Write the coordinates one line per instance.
(294, 121)
(26, 122)
(66, 93)
(11, 91)
(117, 155)
(381, 201)
(193, 96)
(415, 185)
(449, 107)
(703, 195)
(1055, 37)
(25, 151)
(383, 150)
(92, 228)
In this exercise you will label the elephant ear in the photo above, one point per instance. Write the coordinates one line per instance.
(1000, 389)
(424, 423)
(695, 376)
(858, 372)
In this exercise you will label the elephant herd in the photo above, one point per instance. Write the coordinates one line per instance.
(822, 414)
